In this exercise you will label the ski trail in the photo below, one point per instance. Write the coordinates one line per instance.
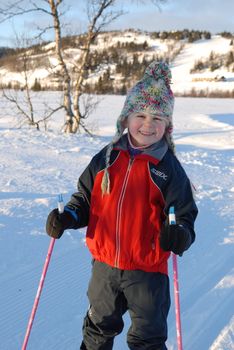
(225, 339)
(57, 310)
(198, 280)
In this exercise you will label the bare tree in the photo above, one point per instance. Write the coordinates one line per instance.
(22, 101)
(59, 53)
(26, 111)
(100, 13)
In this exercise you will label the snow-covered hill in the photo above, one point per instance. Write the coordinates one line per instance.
(181, 54)
(36, 166)
(184, 81)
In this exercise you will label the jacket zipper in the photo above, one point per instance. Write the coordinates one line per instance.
(119, 212)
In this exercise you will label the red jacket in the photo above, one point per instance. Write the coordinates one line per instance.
(124, 226)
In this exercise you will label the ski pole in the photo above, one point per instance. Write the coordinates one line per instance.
(42, 279)
(172, 221)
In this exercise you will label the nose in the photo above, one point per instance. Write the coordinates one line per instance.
(148, 121)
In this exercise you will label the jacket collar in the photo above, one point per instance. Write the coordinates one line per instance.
(156, 150)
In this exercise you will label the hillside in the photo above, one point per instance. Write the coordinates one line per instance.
(201, 64)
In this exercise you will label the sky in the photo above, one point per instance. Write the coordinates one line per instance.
(211, 15)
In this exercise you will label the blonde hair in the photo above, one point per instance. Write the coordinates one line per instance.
(120, 127)
(105, 185)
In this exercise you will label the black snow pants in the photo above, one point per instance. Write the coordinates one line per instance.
(112, 292)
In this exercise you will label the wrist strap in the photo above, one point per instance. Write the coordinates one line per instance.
(72, 212)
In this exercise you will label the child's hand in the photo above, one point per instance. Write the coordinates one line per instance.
(56, 223)
(176, 238)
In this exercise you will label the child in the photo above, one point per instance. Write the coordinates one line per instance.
(124, 196)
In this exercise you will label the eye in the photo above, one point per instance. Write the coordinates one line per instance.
(140, 116)
(157, 119)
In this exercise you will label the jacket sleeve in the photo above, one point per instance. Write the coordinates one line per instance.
(179, 194)
(80, 200)
(79, 203)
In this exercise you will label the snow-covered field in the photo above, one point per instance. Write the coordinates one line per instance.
(36, 166)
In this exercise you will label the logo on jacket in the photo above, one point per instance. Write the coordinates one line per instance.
(159, 173)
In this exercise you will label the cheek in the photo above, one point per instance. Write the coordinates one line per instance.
(160, 128)
(133, 124)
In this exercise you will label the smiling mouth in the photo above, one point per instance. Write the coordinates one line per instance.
(145, 133)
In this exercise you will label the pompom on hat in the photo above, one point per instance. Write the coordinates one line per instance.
(152, 95)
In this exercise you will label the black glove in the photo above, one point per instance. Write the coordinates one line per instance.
(56, 223)
(176, 238)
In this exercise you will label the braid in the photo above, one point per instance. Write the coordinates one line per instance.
(105, 186)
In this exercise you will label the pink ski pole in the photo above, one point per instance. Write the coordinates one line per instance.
(177, 303)
(41, 283)
(172, 221)
(39, 290)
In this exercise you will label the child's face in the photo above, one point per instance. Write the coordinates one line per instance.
(145, 129)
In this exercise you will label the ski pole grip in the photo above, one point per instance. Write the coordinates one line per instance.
(60, 204)
(172, 217)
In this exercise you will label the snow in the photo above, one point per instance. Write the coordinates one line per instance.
(36, 166)
(184, 81)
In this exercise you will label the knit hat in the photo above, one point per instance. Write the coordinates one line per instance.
(153, 95)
